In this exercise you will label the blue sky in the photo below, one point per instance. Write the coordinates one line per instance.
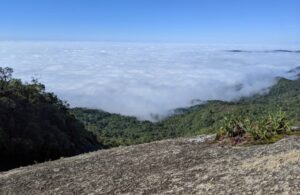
(205, 21)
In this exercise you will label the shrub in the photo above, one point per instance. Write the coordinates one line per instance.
(262, 129)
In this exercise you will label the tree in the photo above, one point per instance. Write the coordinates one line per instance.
(5, 77)
(36, 125)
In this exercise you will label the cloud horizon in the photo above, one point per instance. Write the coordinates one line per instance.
(141, 79)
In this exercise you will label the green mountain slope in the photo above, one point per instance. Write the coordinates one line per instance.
(206, 118)
(36, 126)
(114, 129)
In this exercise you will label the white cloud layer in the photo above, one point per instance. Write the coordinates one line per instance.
(143, 79)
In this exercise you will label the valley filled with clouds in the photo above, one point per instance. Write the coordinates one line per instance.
(141, 79)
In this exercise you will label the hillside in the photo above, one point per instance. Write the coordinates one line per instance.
(36, 125)
(179, 166)
(115, 130)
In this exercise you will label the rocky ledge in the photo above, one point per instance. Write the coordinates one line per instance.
(179, 166)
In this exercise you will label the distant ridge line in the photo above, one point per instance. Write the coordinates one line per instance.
(263, 51)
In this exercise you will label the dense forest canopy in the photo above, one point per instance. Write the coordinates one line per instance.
(36, 125)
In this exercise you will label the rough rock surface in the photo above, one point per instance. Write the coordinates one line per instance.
(179, 166)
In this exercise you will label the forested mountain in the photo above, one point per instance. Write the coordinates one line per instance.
(114, 129)
(36, 125)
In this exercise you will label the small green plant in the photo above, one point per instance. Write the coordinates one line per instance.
(265, 128)
(232, 126)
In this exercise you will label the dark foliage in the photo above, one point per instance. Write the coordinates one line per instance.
(35, 125)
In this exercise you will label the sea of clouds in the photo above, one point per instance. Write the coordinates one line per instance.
(141, 79)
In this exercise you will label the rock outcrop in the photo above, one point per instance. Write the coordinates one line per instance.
(179, 166)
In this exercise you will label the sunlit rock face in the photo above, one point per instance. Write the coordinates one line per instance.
(144, 79)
